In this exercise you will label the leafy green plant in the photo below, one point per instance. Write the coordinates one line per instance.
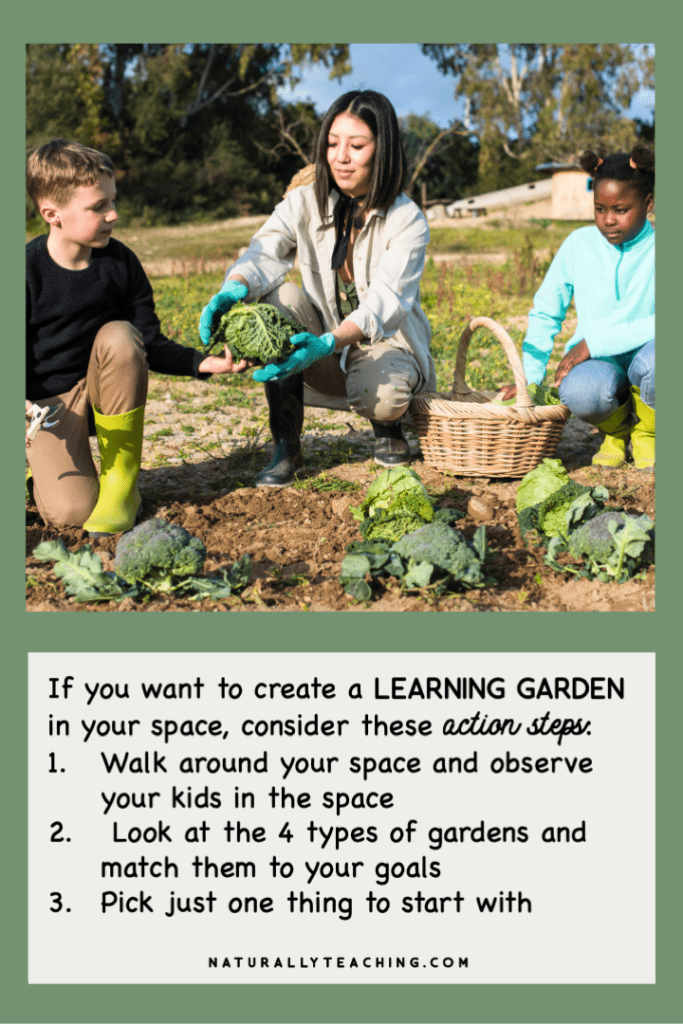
(82, 574)
(256, 331)
(544, 497)
(326, 483)
(540, 394)
(294, 579)
(396, 503)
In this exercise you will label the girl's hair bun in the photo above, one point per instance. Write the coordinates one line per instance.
(589, 161)
(638, 168)
(643, 158)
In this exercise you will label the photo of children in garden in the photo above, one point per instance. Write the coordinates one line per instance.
(295, 344)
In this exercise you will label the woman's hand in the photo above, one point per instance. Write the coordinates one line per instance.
(308, 349)
(234, 290)
(225, 364)
(576, 355)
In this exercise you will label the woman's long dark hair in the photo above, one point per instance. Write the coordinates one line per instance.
(389, 167)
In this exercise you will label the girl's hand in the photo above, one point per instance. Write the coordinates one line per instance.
(225, 364)
(576, 355)
(507, 392)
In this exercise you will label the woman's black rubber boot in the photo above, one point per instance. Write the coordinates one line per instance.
(286, 408)
(391, 447)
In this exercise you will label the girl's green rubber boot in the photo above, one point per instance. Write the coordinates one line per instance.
(616, 431)
(643, 434)
(120, 443)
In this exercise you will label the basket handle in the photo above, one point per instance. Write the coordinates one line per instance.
(461, 389)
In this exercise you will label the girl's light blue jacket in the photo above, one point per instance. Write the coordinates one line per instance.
(614, 291)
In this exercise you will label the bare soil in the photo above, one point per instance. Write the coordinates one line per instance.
(199, 464)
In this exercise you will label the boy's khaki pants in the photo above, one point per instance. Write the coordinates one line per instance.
(65, 483)
(379, 381)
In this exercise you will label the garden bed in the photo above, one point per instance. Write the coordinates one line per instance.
(199, 465)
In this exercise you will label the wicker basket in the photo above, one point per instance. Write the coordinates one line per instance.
(470, 436)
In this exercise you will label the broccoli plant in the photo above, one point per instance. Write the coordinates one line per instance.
(449, 555)
(568, 517)
(256, 331)
(159, 555)
(434, 555)
(614, 546)
(156, 557)
(163, 557)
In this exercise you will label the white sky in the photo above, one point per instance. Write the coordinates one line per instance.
(410, 80)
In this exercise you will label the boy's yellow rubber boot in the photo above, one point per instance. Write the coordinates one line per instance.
(643, 434)
(120, 443)
(616, 430)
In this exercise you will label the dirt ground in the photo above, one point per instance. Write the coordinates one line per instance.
(199, 468)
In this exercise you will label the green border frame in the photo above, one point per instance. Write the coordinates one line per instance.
(40, 21)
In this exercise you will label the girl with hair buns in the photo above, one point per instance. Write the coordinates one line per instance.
(360, 243)
(607, 375)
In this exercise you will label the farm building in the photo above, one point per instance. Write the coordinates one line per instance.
(566, 185)
(572, 196)
(515, 196)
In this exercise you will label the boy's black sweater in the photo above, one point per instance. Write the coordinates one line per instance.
(66, 308)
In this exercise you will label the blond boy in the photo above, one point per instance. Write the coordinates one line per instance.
(92, 335)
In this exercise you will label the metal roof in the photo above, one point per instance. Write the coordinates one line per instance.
(557, 167)
(504, 197)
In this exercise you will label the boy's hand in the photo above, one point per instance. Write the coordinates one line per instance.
(225, 364)
(231, 292)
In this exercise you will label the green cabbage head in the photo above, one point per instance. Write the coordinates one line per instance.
(549, 476)
(385, 488)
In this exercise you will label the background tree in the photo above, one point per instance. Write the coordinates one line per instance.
(592, 86)
(187, 126)
(294, 133)
(534, 102)
(199, 130)
(64, 93)
(442, 162)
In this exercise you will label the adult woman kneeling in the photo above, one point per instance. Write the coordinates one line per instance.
(360, 243)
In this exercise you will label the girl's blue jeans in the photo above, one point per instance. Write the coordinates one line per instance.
(593, 390)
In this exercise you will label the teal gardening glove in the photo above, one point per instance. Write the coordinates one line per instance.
(308, 349)
(230, 293)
